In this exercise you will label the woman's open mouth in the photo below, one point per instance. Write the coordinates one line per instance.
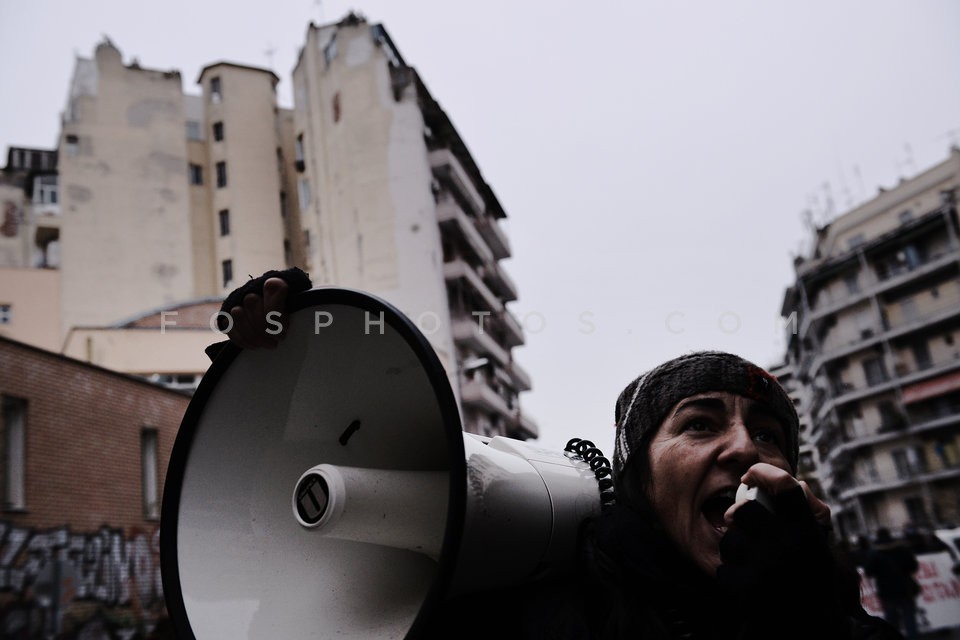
(716, 505)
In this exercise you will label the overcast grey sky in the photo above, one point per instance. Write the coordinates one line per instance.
(654, 157)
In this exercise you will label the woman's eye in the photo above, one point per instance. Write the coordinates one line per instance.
(767, 437)
(696, 425)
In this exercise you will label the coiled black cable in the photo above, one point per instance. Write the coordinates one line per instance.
(600, 466)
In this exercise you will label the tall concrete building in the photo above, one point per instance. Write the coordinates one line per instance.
(874, 319)
(167, 201)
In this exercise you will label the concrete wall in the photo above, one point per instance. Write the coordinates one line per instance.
(125, 201)
(247, 111)
(372, 216)
(34, 296)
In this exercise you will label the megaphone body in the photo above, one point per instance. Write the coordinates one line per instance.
(325, 489)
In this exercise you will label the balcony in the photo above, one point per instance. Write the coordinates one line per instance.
(499, 281)
(945, 305)
(512, 331)
(528, 428)
(520, 378)
(476, 393)
(458, 269)
(939, 313)
(466, 330)
(448, 169)
(494, 235)
(898, 379)
(452, 219)
(932, 265)
(905, 478)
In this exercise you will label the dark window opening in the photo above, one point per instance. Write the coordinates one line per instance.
(227, 268)
(221, 174)
(224, 222)
(196, 174)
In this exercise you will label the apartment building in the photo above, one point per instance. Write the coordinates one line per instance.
(30, 247)
(874, 334)
(167, 200)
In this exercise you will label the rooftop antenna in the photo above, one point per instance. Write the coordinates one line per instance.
(269, 51)
(844, 189)
(859, 177)
(953, 135)
(829, 210)
(909, 161)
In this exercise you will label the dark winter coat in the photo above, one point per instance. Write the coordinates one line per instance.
(632, 583)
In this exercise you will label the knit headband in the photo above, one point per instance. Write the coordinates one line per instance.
(646, 401)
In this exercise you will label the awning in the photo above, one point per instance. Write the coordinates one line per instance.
(931, 388)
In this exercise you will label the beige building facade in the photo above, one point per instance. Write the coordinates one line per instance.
(167, 200)
(874, 319)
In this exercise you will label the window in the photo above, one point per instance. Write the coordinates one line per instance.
(227, 269)
(218, 131)
(148, 466)
(224, 222)
(909, 462)
(216, 92)
(850, 279)
(905, 216)
(856, 240)
(194, 131)
(874, 370)
(14, 452)
(72, 145)
(221, 174)
(908, 306)
(6, 313)
(45, 190)
(298, 153)
(283, 204)
(921, 354)
(196, 174)
(303, 186)
(287, 254)
(916, 510)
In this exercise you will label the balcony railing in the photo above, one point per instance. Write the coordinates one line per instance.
(446, 167)
(459, 269)
(879, 286)
(467, 330)
(499, 280)
(450, 215)
(512, 331)
(477, 393)
(494, 235)
(903, 478)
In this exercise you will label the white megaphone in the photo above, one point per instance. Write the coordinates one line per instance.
(325, 489)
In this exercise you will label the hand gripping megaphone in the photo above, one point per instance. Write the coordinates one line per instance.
(325, 489)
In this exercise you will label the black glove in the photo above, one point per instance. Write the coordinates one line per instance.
(297, 280)
(778, 565)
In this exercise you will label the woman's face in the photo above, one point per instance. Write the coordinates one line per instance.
(703, 446)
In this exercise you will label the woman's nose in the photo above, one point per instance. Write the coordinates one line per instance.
(739, 447)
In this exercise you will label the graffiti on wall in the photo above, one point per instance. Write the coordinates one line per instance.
(51, 570)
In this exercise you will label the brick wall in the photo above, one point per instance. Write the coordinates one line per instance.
(83, 519)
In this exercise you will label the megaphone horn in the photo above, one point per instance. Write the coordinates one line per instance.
(326, 489)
